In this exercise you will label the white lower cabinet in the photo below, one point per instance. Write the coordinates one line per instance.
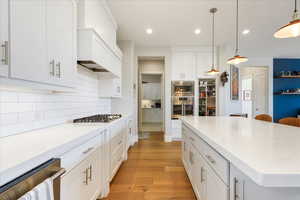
(205, 180)
(243, 188)
(83, 181)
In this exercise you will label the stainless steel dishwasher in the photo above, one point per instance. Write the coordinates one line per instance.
(26, 182)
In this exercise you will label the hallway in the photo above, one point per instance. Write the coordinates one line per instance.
(153, 171)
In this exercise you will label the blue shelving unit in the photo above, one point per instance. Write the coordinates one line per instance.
(285, 105)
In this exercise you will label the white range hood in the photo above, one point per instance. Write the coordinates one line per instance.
(96, 55)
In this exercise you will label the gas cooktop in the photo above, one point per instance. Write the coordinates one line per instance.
(104, 118)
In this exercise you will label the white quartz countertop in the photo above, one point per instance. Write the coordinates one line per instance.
(268, 153)
(23, 152)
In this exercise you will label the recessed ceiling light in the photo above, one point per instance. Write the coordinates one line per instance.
(149, 31)
(246, 32)
(197, 31)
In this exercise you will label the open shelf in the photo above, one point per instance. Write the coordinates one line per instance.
(283, 77)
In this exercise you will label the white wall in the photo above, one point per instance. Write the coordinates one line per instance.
(22, 111)
(226, 106)
(166, 53)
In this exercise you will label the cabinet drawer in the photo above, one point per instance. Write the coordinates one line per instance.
(75, 156)
(116, 159)
(216, 161)
(116, 142)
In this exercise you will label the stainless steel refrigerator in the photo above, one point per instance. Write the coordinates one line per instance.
(182, 98)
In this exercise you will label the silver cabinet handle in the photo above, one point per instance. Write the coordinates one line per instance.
(210, 159)
(202, 174)
(4, 59)
(120, 142)
(237, 196)
(91, 171)
(86, 172)
(58, 74)
(52, 67)
(88, 150)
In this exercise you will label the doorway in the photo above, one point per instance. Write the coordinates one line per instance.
(255, 90)
(151, 96)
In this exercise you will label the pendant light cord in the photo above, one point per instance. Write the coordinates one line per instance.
(237, 28)
(296, 10)
(213, 42)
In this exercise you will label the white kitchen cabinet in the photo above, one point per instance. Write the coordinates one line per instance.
(109, 86)
(83, 181)
(243, 188)
(4, 44)
(61, 40)
(214, 186)
(205, 180)
(183, 66)
(42, 41)
(28, 50)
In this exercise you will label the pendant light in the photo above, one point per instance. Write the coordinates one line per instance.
(237, 59)
(213, 71)
(292, 29)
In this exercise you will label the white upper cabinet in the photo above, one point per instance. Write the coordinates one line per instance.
(28, 50)
(191, 63)
(61, 39)
(4, 51)
(43, 41)
(183, 66)
(109, 86)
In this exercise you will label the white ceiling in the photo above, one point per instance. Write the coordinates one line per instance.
(174, 21)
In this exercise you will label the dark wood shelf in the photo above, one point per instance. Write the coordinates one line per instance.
(285, 94)
(287, 77)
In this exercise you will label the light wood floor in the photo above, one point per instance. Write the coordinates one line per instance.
(153, 171)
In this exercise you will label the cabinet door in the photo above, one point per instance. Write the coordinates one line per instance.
(94, 176)
(215, 187)
(61, 33)
(117, 87)
(183, 66)
(4, 43)
(74, 184)
(83, 181)
(201, 177)
(28, 58)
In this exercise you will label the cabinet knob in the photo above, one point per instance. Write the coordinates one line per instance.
(210, 159)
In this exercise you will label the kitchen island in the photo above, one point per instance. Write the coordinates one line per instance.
(238, 158)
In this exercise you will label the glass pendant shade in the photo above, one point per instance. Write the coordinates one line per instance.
(290, 30)
(237, 60)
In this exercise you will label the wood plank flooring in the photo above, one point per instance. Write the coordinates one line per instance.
(153, 171)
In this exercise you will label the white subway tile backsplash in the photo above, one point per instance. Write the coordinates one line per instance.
(25, 111)
(6, 96)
